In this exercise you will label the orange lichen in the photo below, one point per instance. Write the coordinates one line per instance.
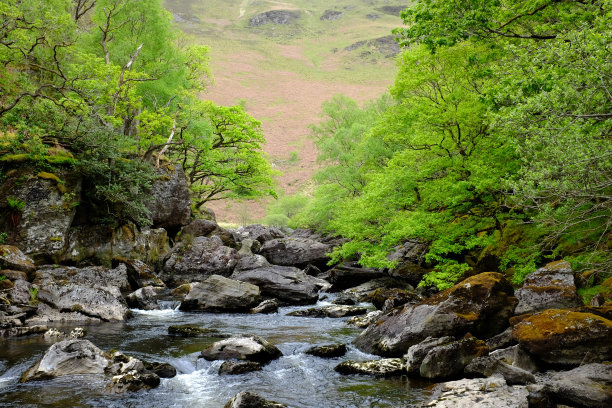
(550, 323)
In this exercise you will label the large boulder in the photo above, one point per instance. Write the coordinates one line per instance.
(246, 399)
(219, 294)
(512, 363)
(171, 204)
(362, 292)
(248, 262)
(261, 233)
(415, 355)
(145, 298)
(230, 367)
(198, 260)
(550, 287)
(207, 228)
(140, 274)
(589, 385)
(480, 305)
(348, 276)
(492, 392)
(383, 368)
(72, 356)
(450, 359)
(251, 348)
(50, 200)
(298, 252)
(560, 336)
(11, 257)
(287, 284)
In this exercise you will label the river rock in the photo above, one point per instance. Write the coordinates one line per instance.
(220, 294)
(251, 348)
(145, 298)
(365, 321)
(385, 367)
(560, 336)
(415, 355)
(140, 274)
(589, 385)
(11, 257)
(266, 307)
(287, 284)
(334, 311)
(387, 299)
(171, 204)
(550, 287)
(21, 293)
(238, 367)
(248, 262)
(246, 399)
(347, 299)
(450, 359)
(349, 275)
(327, 351)
(208, 228)
(492, 392)
(202, 258)
(480, 305)
(298, 252)
(274, 17)
(132, 381)
(190, 330)
(162, 370)
(362, 291)
(72, 356)
(261, 233)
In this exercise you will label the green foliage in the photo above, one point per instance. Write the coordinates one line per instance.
(445, 275)
(3, 277)
(3, 238)
(15, 204)
(34, 296)
(281, 211)
(586, 294)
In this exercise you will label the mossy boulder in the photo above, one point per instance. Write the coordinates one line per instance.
(11, 257)
(480, 305)
(565, 337)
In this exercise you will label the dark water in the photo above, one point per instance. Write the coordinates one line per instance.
(296, 379)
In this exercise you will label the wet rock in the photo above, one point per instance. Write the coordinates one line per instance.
(219, 294)
(565, 337)
(274, 17)
(238, 367)
(334, 311)
(492, 392)
(189, 330)
(248, 262)
(385, 367)
(415, 355)
(195, 262)
(589, 385)
(331, 15)
(287, 284)
(162, 370)
(11, 257)
(251, 348)
(140, 274)
(261, 233)
(246, 399)
(132, 381)
(362, 291)
(550, 287)
(480, 305)
(181, 291)
(327, 351)
(145, 298)
(298, 252)
(11, 328)
(348, 276)
(347, 299)
(365, 321)
(450, 359)
(72, 356)
(171, 204)
(266, 307)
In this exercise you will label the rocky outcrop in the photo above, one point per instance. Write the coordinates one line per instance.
(145, 298)
(196, 261)
(410, 259)
(274, 17)
(550, 287)
(246, 399)
(287, 284)
(450, 359)
(383, 368)
(171, 204)
(11, 257)
(298, 252)
(219, 294)
(480, 305)
(589, 385)
(238, 367)
(327, 351)
(251, 348)
(559, 336)
(334, 311)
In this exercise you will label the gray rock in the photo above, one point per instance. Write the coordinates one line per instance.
(274, 17)
(220, 294)
(72, 356)
(132, 381)
(171, 204)
(347, 299)
(327, 351)
(334, 311)
(362, 291)
(246, 399)
(21, 293)
(198, 228)
(287, 284)
(384, 368)
(248, 262)
(589, 385)
(140, 274)
(348, 276)
(501, 340)
(251, 348)
(87, 276)
(249, 246)
(11, 257)
(415, 355)
(331, 15)
(365, 321)
(261, 233)
(513, 363)
(162, 370)
(450, 359)
(550, 287)
(238, 367)
(297, 252)
(266, 307)
(492, 392)
(145, 298)
(202, 258)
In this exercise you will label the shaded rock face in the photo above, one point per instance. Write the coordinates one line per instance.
(415, 355)
(348, 276)
(297, 252)
(513, 363)
(42, 226)
(287, 284)
(208, 228)
(480, 305)
(140, 274)
(327, 351)
(66, 357)
(249, 262)
(171, 204)
(450, 359)
(384, 368)
(387, 299)
(589, 385)
(219, 294)
(11, 257)
(238, 367)
(246, 399)
(410, 258)
(492, 392)
(251, 348)
(362, 292)
(559, 336)
(195, 262)
(334, 311)
(274, 17)
(550, 287)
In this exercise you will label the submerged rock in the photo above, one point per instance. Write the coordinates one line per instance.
(246, 399)
(189, 330)
(219, 294)
(251, 348)
(385, 367)
(238, 367)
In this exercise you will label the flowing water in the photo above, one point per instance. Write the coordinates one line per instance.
(296, 379)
